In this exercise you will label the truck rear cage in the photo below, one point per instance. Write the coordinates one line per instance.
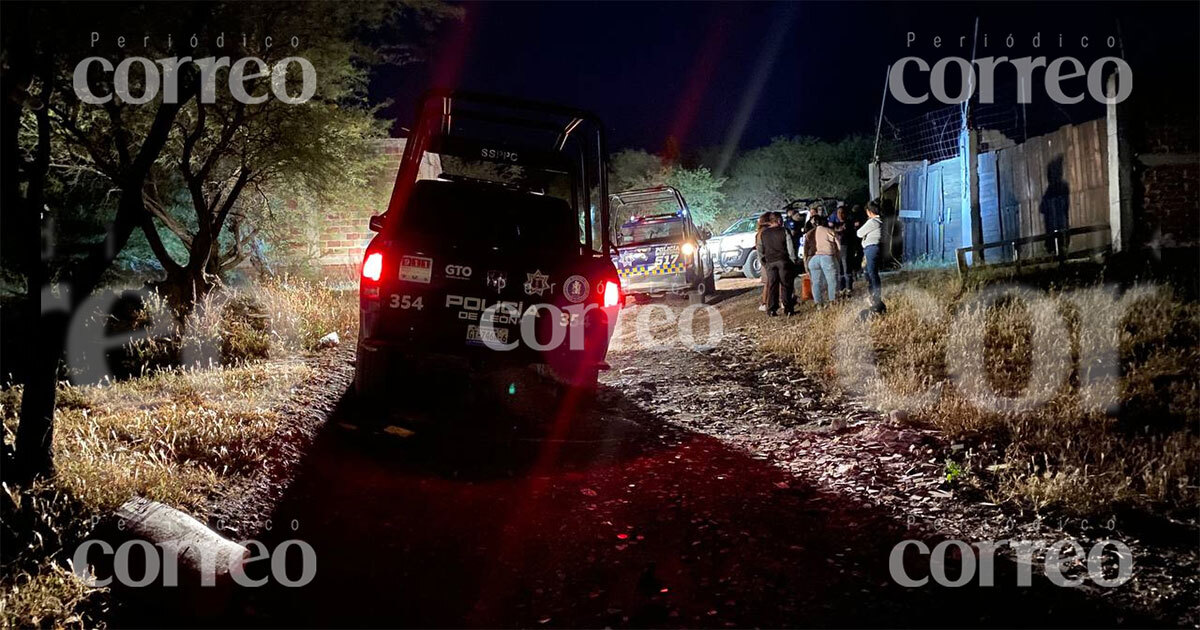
(540, 138)
(655, 217)
(650, 195)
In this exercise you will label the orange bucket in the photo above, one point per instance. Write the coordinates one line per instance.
(805, 287)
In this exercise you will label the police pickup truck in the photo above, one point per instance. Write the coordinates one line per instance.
(499, 260)
(659, 249)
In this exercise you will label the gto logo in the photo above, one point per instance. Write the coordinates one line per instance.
(241, 71)
(458, 272)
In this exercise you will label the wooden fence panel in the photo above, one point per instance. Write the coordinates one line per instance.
(935, 206)
(989, 206)
(951, 209)
(1058, 180)
(1007, 202)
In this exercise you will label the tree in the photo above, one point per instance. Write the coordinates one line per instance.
(631, 169)
(702, 192)
(229, 156)
(159, 153)
(767, 178)
(37, 133)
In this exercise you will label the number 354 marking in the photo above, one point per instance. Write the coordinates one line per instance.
(405, 302)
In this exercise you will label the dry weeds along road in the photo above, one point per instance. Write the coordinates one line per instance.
(713, 489)
(764, 405)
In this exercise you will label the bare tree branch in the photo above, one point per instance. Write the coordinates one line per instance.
(105, 165)
(243, 177)
(159, 212)
(156, 244)
(119, 132)
(228, 130)
(237, 253)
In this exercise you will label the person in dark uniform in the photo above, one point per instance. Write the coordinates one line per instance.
(778, 257)
(765, 221)
(848, 246)
(795, 226)
(834, 222)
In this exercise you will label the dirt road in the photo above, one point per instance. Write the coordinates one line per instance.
(659, 506)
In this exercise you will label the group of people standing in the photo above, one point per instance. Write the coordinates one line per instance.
(832, 247)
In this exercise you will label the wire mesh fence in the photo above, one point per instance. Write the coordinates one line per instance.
(935, 134)
(932, 136)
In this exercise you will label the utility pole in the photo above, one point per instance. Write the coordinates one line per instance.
(968, 146)
(873, 168)
(1120, 172)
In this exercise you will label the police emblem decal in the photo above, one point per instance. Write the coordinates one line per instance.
(497, 280)
(537, 282)
(576, 289)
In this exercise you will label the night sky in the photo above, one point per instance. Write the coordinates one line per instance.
(654, 70)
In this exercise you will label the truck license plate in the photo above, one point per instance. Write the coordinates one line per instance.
(478, 335)
(416, 269)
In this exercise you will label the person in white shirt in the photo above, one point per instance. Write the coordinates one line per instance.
(871, 234)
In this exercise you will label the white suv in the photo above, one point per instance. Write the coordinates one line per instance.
(734, 248)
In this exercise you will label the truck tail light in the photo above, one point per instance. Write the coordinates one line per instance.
(611, 292)
(373, 267)
(688, 249)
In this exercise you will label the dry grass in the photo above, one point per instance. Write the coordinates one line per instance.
(303, 312)
(52, 597)
(1017, 374)
(174, 436)
(280, 317)
(181, 436)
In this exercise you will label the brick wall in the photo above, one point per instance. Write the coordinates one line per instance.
(343, 233)
(1167, 171)
(1170, 199)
